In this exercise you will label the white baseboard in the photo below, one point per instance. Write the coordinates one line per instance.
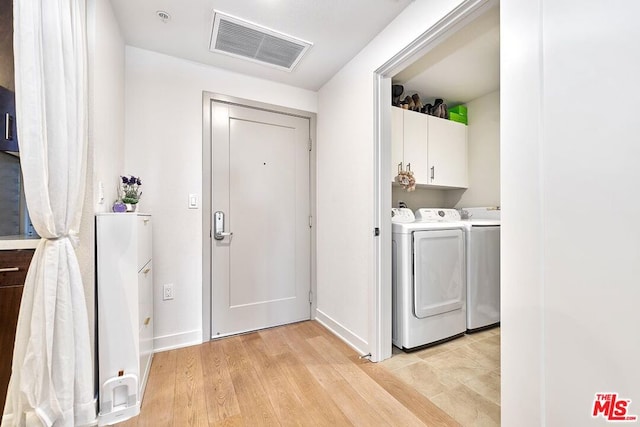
(187, 339)
(354, 341)
(173, 341)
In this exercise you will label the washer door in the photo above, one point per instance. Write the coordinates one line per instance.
(439, 272)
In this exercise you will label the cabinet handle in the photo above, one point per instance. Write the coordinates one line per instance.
(433, 173)
(8, 127)
(146, 221)
(147, 320)
(9, 269)
(146, 271)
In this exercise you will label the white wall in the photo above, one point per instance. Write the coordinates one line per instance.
(107, 104)
(345, 176)
(164, 147)
(483, 135)
(106, 131)
(420, 198)
(569, 195)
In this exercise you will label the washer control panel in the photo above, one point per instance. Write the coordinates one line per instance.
(437, 215)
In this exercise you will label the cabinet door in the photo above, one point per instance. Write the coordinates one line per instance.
(397, 140)
(117, 296)
(415, 145)
(10, 297)
(144, 240)
(13, 271)
(145, 301)
(9, 141)
(447, 153)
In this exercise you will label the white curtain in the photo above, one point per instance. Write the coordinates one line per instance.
(52, 376)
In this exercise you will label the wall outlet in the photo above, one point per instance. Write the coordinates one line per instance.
(167, 291)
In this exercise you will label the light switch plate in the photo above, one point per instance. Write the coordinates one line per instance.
(100, 193)
(193, 201)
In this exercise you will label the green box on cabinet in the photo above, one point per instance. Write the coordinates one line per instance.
(458, 118)
(460, 110)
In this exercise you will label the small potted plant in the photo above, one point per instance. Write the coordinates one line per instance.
(131, 192)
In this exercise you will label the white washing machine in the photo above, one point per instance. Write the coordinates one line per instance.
(429, 277)
(483, 267)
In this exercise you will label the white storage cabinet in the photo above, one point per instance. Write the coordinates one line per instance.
(125, 312)
(409, 143)
(447, 153)
(436, 148)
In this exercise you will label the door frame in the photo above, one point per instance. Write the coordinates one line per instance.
(207, 213)
(380, 300)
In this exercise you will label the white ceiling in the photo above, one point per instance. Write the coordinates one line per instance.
(462, 68)
(338, 29)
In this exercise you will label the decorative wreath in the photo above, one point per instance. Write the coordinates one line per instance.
(406, 180)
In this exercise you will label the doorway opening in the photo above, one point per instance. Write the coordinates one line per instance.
(468, 30)
(459, 18)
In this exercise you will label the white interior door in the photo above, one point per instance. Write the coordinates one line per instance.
(260, 182)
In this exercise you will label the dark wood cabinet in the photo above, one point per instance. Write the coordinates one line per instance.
(8, 125)
(6, 45)
(13, 271)
(13, 263)
(8, 130)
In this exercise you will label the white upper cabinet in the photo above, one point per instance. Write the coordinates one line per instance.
(415, 145)
(409, 144)
(434, 149)
(397, 141)
(447, 153)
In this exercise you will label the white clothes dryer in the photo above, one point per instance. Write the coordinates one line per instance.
(429, 278)
(483, 267)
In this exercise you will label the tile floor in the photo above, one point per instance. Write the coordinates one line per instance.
(461, 376)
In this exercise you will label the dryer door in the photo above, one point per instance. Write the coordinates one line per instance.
(439, 272)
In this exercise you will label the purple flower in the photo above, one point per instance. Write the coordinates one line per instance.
(130, 189)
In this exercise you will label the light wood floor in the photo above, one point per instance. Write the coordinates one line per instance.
(297, 374)
(462, 376)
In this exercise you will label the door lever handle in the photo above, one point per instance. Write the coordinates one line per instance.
(218, 226)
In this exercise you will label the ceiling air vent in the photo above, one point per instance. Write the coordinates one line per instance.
(233, 36)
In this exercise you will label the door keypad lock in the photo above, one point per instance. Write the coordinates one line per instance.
(218, 226)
